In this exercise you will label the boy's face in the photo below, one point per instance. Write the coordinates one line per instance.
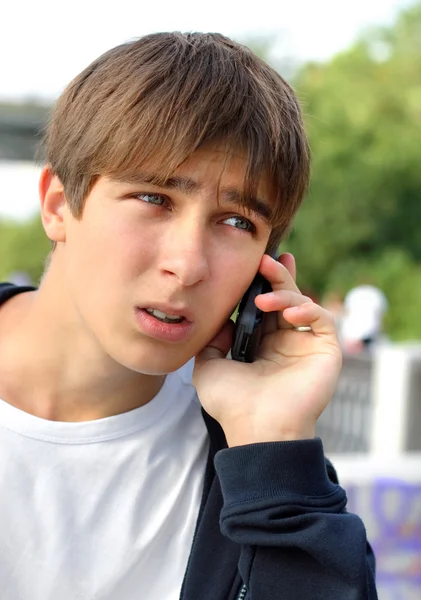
(173, 248)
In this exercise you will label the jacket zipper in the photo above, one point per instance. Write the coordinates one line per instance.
(242, 594)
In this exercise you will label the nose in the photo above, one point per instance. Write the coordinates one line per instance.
(185, 252)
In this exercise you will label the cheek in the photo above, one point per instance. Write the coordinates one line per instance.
(116, 249)
(235, 277)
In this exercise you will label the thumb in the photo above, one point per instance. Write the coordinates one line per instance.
(219, 346)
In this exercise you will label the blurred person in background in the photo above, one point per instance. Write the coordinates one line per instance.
(364, 309)
(137, 461)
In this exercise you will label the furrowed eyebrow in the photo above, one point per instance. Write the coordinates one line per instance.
(181, 184)
(190, 186)
(255, 205)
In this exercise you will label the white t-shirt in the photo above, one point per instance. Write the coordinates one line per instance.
(103, 509)
(364, 307)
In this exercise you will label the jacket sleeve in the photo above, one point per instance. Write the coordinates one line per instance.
(284, 506)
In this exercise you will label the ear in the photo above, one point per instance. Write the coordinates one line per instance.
(53, 204)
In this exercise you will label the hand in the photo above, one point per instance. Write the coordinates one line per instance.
(280, 395)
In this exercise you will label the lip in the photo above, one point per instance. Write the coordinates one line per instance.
(167, 332)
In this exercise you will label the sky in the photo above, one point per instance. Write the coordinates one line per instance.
(45, 43)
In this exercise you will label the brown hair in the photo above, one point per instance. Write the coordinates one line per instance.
(157, 99)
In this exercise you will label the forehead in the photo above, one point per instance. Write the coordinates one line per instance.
(210, 169)
(218, 166)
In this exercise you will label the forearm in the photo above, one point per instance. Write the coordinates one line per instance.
(290, 519)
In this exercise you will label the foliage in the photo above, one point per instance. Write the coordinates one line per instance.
(363, 210)
(23, 248)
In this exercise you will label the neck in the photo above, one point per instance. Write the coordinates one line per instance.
(52, 367)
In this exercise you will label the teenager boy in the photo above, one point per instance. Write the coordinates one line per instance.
(137, 461)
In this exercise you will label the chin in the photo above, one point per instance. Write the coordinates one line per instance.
(156, 365)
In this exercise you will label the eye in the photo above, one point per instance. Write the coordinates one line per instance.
(155, 199)
(240, 223)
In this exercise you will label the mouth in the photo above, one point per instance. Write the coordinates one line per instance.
(165, 317)
(167, 323)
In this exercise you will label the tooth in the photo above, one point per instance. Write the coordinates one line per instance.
(159, 314)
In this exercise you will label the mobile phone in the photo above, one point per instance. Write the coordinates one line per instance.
(249, 322)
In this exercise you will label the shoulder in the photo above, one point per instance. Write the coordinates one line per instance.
(9, 290)
(11, 301)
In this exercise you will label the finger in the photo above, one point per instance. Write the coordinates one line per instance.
(288, 261)
(320, 320)
(281, 275)
(275, 303)
(218, 347)
(277, 274)
(280, 300)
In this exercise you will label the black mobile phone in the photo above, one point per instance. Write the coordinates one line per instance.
(249, 322)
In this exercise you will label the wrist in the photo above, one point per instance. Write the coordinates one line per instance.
(242, 436)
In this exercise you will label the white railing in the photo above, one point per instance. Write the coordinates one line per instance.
(345, 425)
(377, 405)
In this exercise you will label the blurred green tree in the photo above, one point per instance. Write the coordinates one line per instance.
(23, 248)
(362, 216)
(363, 113)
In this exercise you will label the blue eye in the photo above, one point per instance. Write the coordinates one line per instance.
(151, 199)
(240, 223)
